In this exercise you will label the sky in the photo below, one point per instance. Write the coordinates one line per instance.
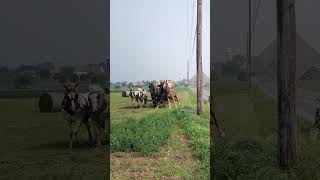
(230, 25)
(143, 33)
(63, 31)
(150, 39)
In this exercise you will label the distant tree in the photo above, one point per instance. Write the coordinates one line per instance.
(84, 77)
(44, 73)
(146, 83)
(74, 78)
(59, 77)
(130, 85)
(67, 71)
(25, 68)
(4, 70)
(124, 83)
(23, 80)
(99, 78)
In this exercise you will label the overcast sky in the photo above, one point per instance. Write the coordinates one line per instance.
(149, 39)
(62, 31)
(143, 32)
(230, 25)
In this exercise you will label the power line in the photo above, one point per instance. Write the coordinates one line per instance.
(256, 17)
(187, 28)
(194, 41)
(192, 21)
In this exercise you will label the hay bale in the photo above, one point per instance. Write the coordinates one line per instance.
(50, 102)
(125, 93)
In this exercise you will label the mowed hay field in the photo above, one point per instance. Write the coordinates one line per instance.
(151, 143)
(35, 145)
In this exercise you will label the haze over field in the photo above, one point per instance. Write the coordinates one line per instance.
(230, 24)
(64, 32)
(149, 39)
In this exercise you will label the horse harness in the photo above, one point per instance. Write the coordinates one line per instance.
(76, 102)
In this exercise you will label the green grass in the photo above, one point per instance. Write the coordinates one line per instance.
(156, 132)
(36, 145)
(144, 136)
(197, 131)
(249, 150)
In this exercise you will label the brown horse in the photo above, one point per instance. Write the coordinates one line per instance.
(171, 93)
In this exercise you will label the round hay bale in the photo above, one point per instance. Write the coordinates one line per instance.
(125, 93)
(50, 102)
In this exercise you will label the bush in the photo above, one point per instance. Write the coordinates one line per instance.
(23, 80)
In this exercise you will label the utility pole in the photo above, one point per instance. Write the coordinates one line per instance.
(249, 48)
(286, 52)
(199, 57)
(188, 72)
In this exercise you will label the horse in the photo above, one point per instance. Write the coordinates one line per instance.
(170, 93)
(74, 108)
(132, 97)
(142, 97)
(152, 90)
(159, 94)
(139, 96)
(98, 102)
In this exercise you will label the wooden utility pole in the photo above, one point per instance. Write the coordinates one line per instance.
(249, 48)
(286, 51)
(199, 57)
(188, 73)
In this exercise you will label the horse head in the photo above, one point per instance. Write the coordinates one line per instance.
(97, 99)
(70, 100)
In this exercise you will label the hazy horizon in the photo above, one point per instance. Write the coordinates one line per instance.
(230, 29)
(148, 44)
(67, 32)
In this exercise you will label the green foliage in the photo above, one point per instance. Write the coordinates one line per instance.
(23, 80)
(144, 136)
(67, 72)
(101, 78)
(198, 134)
(4, 70)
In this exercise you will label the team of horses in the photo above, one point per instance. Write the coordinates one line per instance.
(162, 93)
(89, 108)
(80, 108)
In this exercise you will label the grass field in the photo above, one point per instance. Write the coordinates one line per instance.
(35, 145)
(158, 143)
(249, 150)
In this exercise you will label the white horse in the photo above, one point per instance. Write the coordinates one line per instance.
(139, 96)
(98, 102)
(74, 108)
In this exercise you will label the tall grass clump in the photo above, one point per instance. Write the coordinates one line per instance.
(198, 132)
(144, 136)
